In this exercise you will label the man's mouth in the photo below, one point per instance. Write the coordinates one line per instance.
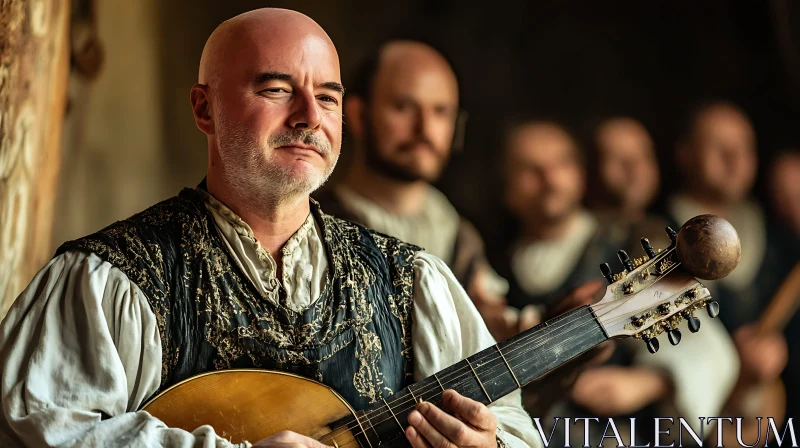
(301, 146)
(418, 146)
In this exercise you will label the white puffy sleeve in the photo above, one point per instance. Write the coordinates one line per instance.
(447, 328)
(703, 368)
(79, 353)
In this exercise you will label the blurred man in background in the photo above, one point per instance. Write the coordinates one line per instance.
(717, 160)
(784, 195)
(560, 245)
(624, 182)
(555, 247)
(403, 115)
(784, 189)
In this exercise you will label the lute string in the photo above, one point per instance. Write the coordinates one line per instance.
(494, 357)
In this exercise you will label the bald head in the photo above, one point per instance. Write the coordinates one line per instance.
(403, 111)
(269, 98)
(407, 62)
(271, 30)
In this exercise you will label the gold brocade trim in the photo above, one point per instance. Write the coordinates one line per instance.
(226, 312)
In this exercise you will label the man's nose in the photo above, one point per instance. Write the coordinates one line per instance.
(306, 113)
(424, 124)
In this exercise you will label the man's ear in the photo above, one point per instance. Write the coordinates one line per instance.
(201, 108)
(355, 110)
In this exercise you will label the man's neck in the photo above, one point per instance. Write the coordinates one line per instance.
(622, 213)
(543, 230)
(395, 196)
(272, 222)
(713, 206)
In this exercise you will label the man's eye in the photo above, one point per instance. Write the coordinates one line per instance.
(402, 105)
(328, 99)
(275, 90)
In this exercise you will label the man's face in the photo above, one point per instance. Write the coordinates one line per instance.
(722, 155)
(785, 189)
(410, 119)
(627, 165)
(278, 114)
(545, 180)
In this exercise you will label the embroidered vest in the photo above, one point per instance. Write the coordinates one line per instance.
(355, 338)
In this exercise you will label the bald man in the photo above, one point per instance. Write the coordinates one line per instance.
(717, 160)
(402, 115)
(559, 246)
(784, 190)
(554, 250)
(625, 181)
(114, 318)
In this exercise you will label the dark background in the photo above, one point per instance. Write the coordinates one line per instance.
(572, 61)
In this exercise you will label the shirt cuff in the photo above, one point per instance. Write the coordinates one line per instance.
(508, 440)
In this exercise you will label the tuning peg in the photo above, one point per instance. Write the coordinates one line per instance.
(713, 309)
(674, 334)
(625, 260)
(652, 344)
(694, 323)
(672, 234)
(606, 270)
(648, 249)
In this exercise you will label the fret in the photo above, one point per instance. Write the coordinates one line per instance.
(364, 431)
(392, 412)
(497, 371)
(372, 427)
(551, 344)
(440, 383)
(510, 370)
(477, 378)
(416, 399)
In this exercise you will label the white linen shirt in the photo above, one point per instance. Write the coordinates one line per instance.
(80, 350)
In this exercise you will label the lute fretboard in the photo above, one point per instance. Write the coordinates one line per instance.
(485, 376)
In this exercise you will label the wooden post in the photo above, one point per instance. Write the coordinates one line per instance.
(34, 64)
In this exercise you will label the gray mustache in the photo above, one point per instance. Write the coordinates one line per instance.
(295, 137)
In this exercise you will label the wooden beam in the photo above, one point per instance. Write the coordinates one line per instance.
(34, 64)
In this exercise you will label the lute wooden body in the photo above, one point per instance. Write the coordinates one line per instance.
(651, 296)
(254, 404)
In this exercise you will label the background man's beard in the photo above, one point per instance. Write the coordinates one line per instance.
(390, 168)
(266, 181)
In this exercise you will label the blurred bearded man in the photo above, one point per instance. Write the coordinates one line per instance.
(555, 247)
(784, 190)
(717, 160)
(403, 116)
(624, 180)
(244, 271)
(559, 246)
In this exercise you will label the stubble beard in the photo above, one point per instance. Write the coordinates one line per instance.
(391, 169)
(265, 182)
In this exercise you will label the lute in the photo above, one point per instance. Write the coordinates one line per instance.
(650, 296)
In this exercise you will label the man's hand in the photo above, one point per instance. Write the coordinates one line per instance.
(763, 357)
(611, 391)
(289, 439)
(471, 425)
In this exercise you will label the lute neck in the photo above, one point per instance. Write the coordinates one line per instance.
(487, 375)
(501, 369)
